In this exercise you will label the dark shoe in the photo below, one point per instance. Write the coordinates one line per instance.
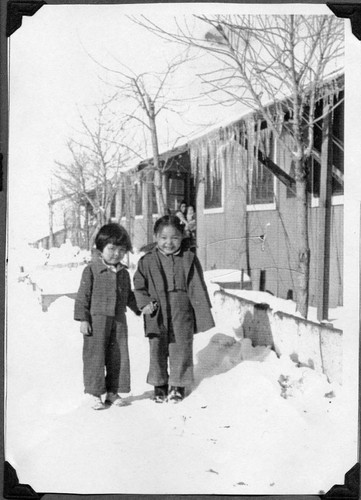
(160, 393)
(176, 394)
(114, 399)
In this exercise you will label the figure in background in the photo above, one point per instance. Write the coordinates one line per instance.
(171, 293)
(191, 226)
(181, 213)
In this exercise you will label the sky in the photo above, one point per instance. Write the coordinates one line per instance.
(53, 75)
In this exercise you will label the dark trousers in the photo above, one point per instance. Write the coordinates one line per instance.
(106, 366)
(175, 346)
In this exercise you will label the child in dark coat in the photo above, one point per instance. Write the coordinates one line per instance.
(170, 290)
(100, 306)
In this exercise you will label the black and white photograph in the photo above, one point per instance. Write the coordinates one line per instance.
(183, 250)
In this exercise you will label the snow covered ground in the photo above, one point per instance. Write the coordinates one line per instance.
(253, 423)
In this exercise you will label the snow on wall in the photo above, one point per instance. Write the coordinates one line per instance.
(308, 343)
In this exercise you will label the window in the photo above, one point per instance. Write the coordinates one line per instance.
(138, 198)
(154, 201)
(113, 207)
(123, 202)
(314, 178)
(337, 148)
(213, 188)
(260, 180)
(337, 151)
(260, 186)
(176, 186)
(176, 189)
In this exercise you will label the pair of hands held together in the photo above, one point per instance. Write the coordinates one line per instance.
(86, 328)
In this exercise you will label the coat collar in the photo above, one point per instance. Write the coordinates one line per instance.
(188, 258)
(99, 265)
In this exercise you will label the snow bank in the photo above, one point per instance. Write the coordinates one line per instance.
(308, 343)
(253, 423)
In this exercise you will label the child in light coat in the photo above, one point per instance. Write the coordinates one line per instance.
(170, 290)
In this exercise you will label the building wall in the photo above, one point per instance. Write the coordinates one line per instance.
(230, 238)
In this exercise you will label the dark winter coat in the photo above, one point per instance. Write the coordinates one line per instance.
(150, 285)
(104, 292)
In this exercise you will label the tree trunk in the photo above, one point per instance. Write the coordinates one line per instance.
(303, 242)
(148, 205)
(158, 184)
(51, 225)
(86, 229)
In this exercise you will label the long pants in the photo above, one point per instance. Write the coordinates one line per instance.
(175, 346)
(106, 366)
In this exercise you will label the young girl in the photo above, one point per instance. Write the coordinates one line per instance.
(100, 306)
(170, 290)
(182, 213)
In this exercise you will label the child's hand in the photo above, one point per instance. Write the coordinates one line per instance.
(150, 308)
(85, 328)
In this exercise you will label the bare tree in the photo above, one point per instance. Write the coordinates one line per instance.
(92, 176)
(279, 59)
(142, 98)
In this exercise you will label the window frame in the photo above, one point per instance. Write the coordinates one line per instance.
(254, 207)
(216, 210)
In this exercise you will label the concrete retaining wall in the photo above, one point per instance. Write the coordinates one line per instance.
(312, 344)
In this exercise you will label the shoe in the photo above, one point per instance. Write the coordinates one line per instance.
(114, 399)
(160, 393)
(176, 394)
(95, 402)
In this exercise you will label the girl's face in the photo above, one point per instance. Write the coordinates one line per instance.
(112, 254)
(190, 212)
(169, 239)
(183, 208)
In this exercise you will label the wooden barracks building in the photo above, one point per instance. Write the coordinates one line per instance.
(246, 207)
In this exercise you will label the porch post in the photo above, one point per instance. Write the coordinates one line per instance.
(201, 225)
(148, 205)
(323, 257)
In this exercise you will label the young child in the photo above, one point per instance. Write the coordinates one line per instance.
(104, 293)
(191, 227)
(170, 290)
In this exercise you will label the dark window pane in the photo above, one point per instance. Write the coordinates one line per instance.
(260, 186)
(213, 189)
(154, 201)
(112, 207)
(138, 199)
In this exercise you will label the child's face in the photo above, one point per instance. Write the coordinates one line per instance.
(112, 254)
(169, 239)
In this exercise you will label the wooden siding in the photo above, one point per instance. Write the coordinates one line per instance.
(230, 238)
(223, 243)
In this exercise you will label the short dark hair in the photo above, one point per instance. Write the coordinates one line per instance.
(114, 234)
(168, 220)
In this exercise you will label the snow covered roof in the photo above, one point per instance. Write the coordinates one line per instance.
(332, 84)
